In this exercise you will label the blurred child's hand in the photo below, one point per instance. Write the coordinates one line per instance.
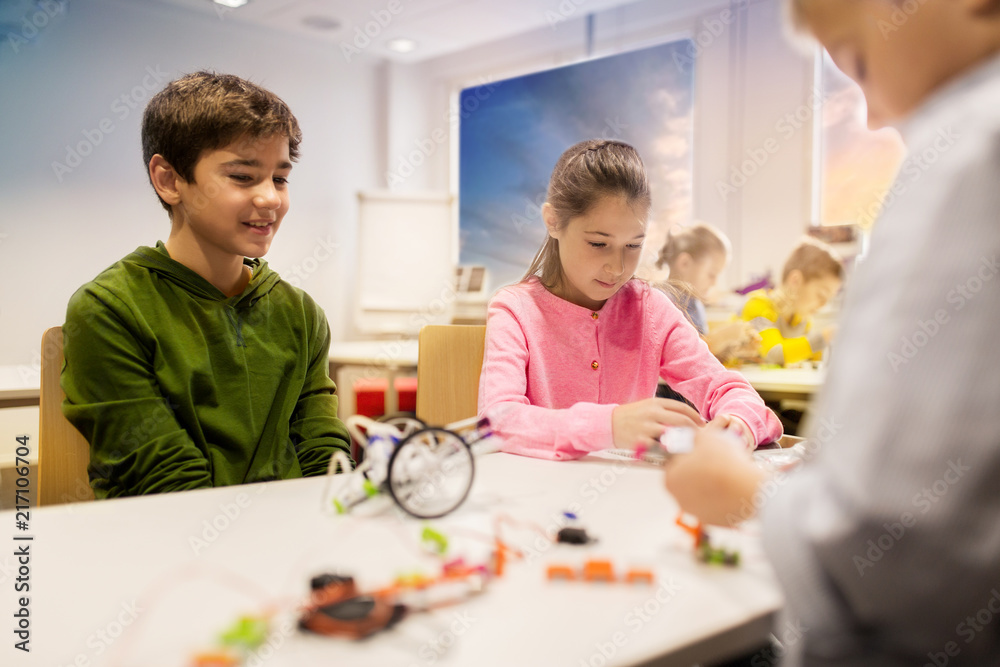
(749, 353)
(736, 339)
(750, 347)
(724, 337)
(643, 422)
(716, 480)
(737, 427)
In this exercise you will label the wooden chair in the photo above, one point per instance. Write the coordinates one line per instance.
(63, 454)
(449, 362)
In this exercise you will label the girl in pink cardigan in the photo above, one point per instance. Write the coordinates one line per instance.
(574, 351)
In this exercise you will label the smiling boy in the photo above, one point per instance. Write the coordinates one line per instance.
(812, 275)
(886, 540)
(189, 364)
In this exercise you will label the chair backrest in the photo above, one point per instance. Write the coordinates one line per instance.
(63, 454)
(449, 361)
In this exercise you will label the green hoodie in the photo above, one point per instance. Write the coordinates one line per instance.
(177, 386)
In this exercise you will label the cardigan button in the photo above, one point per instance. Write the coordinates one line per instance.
(594, 315)
(594, 365)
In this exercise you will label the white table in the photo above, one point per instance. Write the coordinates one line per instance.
(151, 576)
(784, 383)
(19, 386)
(387, 357)
(15, 422)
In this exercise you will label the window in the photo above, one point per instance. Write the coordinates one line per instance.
(855, 166)
(513, 131)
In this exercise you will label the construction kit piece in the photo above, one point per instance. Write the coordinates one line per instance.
(597, 570)
(428, 471)
(337, 607)
(244, 637)
(675, 440)
(703, 547)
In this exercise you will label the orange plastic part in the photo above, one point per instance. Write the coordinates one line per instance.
(499, 558)
(694, 529)
(639, 577)
(215, 659)
(561, 572)
(598, 570)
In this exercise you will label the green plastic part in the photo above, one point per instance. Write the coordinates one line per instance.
(434, 539)
(248, 633)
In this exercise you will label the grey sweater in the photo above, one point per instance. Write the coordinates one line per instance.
(887, 542)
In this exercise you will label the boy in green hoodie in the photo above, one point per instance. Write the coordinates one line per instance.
(189, 365)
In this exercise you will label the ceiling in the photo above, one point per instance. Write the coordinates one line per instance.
(362, 28)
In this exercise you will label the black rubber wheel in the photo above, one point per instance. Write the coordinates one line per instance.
(431, 473)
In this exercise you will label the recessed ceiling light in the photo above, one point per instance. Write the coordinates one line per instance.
(231, 3)
(319, 22)
(401, 45)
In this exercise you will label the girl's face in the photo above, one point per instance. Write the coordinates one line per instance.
(813, 294)
(599, 251)
(702, 274)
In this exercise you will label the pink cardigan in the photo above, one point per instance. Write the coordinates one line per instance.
(553, 371)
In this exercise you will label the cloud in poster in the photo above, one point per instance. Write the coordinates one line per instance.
(509, 145)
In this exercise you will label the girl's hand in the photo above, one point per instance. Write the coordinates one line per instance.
(643, 422)
(716, 482)
(737, 427)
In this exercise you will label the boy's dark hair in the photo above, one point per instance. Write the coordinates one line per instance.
(205, 111)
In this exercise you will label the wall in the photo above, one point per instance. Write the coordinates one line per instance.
(748, 79)
(365, 124)
(60, 229)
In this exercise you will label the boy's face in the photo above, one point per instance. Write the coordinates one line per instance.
(599, 251)
(238, 197)
(814, 294)
(897, 57)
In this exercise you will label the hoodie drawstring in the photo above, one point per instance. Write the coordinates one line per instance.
(237, 322)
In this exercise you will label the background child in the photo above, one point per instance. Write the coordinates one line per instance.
(885, 541)
(812, 275)
(696, 255)
(575, 349)
(187, 364)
